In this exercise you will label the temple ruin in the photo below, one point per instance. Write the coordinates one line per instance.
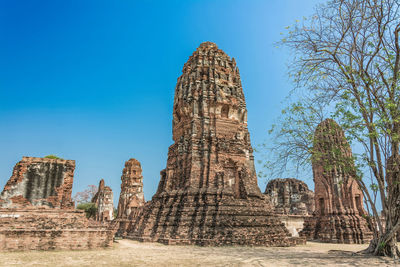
(104, 203)
(39, 182)
(293, 202)
(208, 193)
(338, 199)
(37, 213)
(131, 198)
(290, 197)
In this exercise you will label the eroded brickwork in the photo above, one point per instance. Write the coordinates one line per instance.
(131, 199)
(42, 228)
(208, 193)
(39, 182)
(338, 199)
(37, 213)
(104, 202)
(290, 196)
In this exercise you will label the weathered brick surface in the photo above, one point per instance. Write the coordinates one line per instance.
(37, 228)
(39, 182)
(338, 199)
(36, 210)
(208, 193)
(290, 196)
(104, 202)
(131, 199)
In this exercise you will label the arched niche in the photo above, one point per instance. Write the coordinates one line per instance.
(225, 111)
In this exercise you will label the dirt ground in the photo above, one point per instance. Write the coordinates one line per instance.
(132, 253)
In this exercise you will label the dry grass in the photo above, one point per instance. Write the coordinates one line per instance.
(131, 253)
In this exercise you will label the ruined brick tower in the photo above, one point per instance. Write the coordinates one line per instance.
(131, 198)
(208, 193)
(104, 202)
(290, 196)
(338, 199)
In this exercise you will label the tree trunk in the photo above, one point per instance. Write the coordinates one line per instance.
(385, 245)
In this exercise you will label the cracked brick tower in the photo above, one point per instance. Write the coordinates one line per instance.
(208, 193)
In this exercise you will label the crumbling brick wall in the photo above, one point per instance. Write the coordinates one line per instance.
(290, 196)
(39, 182)
(40, 228)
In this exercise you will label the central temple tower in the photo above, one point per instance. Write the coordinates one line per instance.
(212, 147)
(208, 193)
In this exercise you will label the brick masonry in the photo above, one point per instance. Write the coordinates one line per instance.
(39, 182)
(293, 202)
(290, 196)
(37, 212)
(39, 228)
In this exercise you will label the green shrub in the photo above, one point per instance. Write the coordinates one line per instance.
(52, 157)
(89, 208)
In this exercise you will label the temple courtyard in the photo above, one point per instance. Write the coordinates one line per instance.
(133, 253)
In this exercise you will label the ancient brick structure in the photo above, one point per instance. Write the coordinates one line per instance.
(36, 211)
(208, 193)
(43, 228)
(131, 199)
(290, 197)
(293, 202)
(39, 182)
(104, 203)
(338, 199)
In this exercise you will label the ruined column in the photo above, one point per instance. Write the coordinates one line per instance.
(208, 192)
(338, 199)
(131, 199)
(104, 203)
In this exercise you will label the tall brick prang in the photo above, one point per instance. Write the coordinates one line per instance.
(338, 198)
(208, 193)
(39, 182)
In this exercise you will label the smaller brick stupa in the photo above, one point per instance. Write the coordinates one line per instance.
(104, 203)
(131, 199)
(338, 198)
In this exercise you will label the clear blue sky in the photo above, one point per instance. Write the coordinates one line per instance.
(94, 81)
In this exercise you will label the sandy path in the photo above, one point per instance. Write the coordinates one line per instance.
(131, 253)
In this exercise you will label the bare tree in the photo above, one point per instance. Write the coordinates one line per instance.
(86, 195)
(347, 58)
